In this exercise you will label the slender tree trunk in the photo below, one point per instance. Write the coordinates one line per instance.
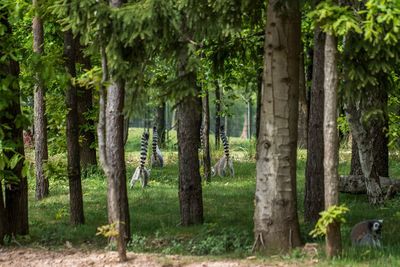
(74, 168)
(40, 119)
(276, 225)
(161, 125)
(314, 190)
(87, 150)
(3, 221)
(331, 144)
(206, 138)
(101, 126)
(303, 107)
(217, 113)
(249, 117)
(355, 167)
(189, 120)
(245, 127)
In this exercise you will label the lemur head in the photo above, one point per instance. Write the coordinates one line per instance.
(375, 226)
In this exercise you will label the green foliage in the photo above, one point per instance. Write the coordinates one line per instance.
(108, 230)
(334, 214)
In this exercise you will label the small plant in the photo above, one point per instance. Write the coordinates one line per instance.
(61, 213)
(333, 214)
(108, 230)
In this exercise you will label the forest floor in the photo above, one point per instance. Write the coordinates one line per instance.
(29, 257)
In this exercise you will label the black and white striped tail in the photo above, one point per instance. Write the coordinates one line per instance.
(141, 172)
(201, 137)
(157, 159)
(155, 142)
(225, 142)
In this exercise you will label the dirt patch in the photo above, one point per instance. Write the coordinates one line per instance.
(28, 257)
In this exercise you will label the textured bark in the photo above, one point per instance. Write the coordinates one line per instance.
(87, 150)
(101, 125)
(40, 119)
(74, 168)
(355, 167)
(314, 190)
(276, 225)
(303, 107)
(355, 184)
(161, 125)
(259, 104)
(245, 128)
(381, 151)
(331, 144)
(249, 118)
(117, 197)
(189, 120)
(206, 138)
(217, 113)
(3, 221)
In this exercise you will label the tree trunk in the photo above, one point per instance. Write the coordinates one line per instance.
(217, 113)
(189, 120)
(355, 167)
(74, 168)
(101, 125)
(245, 127)
(40, 119)
(87, 150)
(3, 221)
(206, 138)
(303, 107)
(314, 190)
(249, 118)
(276, 225)
(331, 144)
(381, 151)
(259, 103)
(161, 125)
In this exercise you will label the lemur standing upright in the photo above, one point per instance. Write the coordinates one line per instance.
(141, 172)
(226, 161)
(157, 159)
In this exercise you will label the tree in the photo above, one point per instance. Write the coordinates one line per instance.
(276, 225)
(217, 113)
(161, 124)
(331, 143)
(206, 137)
(314, 190)
(74, 168)
(40, 119)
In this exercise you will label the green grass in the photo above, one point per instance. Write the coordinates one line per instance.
(228, 211)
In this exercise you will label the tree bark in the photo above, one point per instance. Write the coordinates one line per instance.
(87, 150)
(381, 151)
(303, 107)
(40, 119)
(245, 127)
(74, 168)
(331, 144)
(355, 166)
(189, 121)
(217, 113)
(161, 125)
(3, 221)
(314, 190)
(206, 138)
(259, 103)
(276, 225)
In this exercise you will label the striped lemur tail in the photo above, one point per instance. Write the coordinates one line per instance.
(157, 159)
(141, 172)
(220, 167)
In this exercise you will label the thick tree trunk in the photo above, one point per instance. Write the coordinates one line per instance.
(331, 144)
(87, 150)
(381, 151)
(161, 125)
(355, 184)
(314, 190)
(217, 113)
(355, 166)
(259, 104)
(189, 121)
(276, 225)
(40, 119)
(303, 107)
(206, 138)
(118, 210)
(74, 168)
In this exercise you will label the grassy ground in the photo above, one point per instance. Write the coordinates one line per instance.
(228, 211)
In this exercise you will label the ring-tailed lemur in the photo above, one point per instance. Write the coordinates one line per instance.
(141, 172)
(367, 233)
(226, 161)
(157, 159)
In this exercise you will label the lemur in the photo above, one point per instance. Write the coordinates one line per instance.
(141, 172)
(367, 233)
(157, 159)
(226, 161)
